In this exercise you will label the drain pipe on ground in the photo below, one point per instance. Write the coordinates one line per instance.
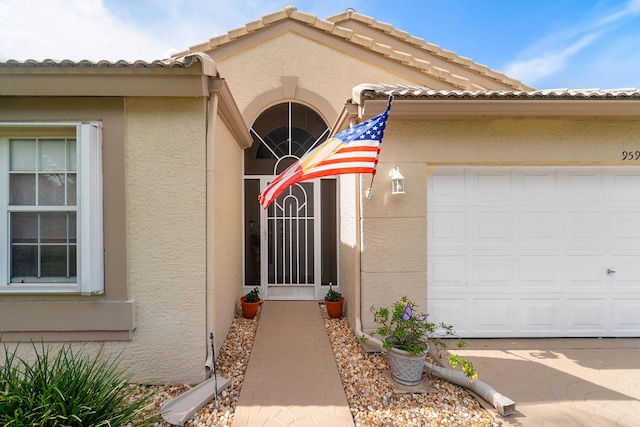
(502, 404)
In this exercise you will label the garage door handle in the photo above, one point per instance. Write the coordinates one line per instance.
(610, 271)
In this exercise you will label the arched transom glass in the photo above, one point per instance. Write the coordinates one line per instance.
(282, 134)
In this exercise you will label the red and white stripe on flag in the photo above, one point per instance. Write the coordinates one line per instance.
(354, 150)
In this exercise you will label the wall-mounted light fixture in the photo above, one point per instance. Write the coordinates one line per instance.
(397, 181)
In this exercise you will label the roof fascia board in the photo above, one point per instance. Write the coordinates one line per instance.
(439, 109)
(230, 113)
(107, 84)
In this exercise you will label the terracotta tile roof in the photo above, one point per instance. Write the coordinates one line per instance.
(329, 26)
(371, 91)
(177, 62)
(431, 48)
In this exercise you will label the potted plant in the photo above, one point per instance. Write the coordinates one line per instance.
(334, 302)
(250, 303)
(406, 336)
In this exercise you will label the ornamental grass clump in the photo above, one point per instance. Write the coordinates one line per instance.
(403, 328)
(70, 389)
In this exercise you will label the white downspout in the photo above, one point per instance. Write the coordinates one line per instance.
(212, 115)
(502, 404)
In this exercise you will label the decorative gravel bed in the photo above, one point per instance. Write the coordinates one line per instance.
(371, 399)
(373, 402)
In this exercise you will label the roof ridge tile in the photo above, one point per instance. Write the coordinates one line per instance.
(304, 17)
(238, 32)
(252, 26)
(329, 26)
(272, 18)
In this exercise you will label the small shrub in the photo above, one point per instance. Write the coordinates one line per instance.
(253, 296)
(332, 296)
(403, 328)
(69, 389)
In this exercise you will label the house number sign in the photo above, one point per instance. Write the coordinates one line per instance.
(631, 155)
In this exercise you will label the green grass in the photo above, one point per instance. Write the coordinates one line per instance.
(69, 388)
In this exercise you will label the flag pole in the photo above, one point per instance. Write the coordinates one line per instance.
(369, 191)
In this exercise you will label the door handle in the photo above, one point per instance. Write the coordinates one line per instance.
(610, 271)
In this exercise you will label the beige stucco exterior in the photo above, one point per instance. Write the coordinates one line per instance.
(172, 242)
(394, 249)
(174, 135)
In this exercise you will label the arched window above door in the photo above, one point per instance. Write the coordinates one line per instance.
(281, 135)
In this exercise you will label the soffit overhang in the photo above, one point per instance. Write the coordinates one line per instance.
(404, 51)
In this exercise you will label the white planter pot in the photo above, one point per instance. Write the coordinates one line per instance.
(405, 368)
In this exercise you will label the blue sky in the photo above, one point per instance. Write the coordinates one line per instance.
(544, 43)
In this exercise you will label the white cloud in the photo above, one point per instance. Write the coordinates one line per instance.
(71, 29)
(549, 62)
(554, 53)
(127, 29)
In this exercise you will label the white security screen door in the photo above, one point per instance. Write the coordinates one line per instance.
(290, 247)
(290, 251)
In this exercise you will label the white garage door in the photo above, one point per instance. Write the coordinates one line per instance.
(535, 252)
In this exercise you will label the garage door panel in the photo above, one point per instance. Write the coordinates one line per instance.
(494, 316)
(491, 228)
(626, 317)
(586, 316)
(582, 185)
(586, 271)
(626, 229)
(488, 186)
(448, 271)
(492, 272)
(587, 229)
(456, 312)
(448, 228)
(540, 316)
(528, 249)
(536, 185)
(627, 271)
(539, 272)
(539, 227)
(624, 186)
(448, 187)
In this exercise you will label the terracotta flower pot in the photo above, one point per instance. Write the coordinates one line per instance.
(334, 309)
(249, 309)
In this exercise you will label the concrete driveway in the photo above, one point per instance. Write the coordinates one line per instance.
(563, 382)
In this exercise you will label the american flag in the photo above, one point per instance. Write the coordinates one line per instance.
(354, 150)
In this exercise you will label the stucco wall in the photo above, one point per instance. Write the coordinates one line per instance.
(324, 74)
(348, 247)
(320, 69)
(394, 257)
(226, 256)
(166, 212)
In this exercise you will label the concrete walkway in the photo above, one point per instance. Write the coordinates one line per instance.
(563, 382)
(292, 377)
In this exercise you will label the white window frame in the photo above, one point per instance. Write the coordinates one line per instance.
(90, 252)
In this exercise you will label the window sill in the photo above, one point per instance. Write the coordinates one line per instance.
(67, 320)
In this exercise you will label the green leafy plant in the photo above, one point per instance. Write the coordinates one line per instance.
(403, 328)
(332, 296)
(69, 389)
(253, 295)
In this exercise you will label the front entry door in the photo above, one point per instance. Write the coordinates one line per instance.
(291, 247)
(290, 250)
